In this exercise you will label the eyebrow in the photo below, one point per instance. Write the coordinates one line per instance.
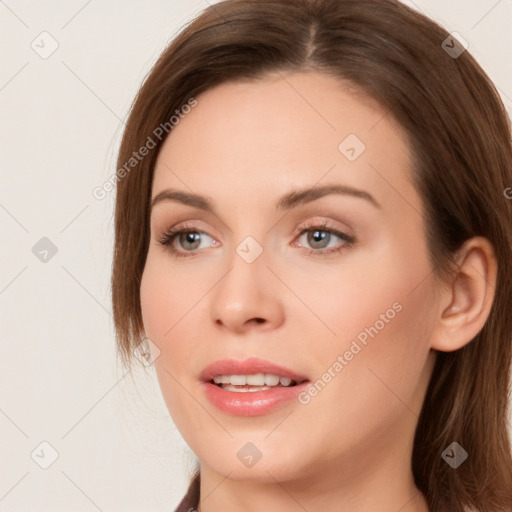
(287, 202)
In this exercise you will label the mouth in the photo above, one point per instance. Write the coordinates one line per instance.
(250, 387)
(251, 372)
(253, 382)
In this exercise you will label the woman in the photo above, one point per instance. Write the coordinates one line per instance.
(341, 338)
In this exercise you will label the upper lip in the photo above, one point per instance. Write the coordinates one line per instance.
(249, 366)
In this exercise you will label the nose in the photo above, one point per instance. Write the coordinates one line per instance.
(247, 297)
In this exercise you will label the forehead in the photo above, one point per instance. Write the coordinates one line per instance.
(286, 130)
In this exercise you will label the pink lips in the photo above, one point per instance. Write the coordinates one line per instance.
(247, 367)
(251, 403)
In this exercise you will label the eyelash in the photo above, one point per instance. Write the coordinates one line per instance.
(168, 237)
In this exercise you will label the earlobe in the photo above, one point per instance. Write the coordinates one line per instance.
(466, 301)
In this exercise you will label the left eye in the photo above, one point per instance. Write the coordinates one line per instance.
(319, 238)
(193, 238)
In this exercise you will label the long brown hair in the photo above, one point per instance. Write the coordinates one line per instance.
(459, 135)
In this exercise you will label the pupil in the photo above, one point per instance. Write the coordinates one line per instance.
(319, 236)
(191, 237)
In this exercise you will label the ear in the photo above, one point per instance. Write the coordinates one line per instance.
(466, 300)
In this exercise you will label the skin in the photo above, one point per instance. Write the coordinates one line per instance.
(243, 146)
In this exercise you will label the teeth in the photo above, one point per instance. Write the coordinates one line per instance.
(272, 380)
(229, 387)
(238, 380)
(254, 380)
(258, 379)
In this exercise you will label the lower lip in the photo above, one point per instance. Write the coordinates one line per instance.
(251, 403)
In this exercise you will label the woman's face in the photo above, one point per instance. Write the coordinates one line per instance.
(337, 287)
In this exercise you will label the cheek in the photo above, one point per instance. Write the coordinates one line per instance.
(163, 303)
(171, 311)
(383, 322)
(166, 294)
(379, 299)
(364, 291)
(379, 380)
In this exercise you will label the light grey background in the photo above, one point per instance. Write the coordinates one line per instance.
(60, 126)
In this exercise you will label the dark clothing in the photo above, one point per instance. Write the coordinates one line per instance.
(190, 501)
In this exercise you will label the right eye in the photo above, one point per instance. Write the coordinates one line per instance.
(189, 239)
